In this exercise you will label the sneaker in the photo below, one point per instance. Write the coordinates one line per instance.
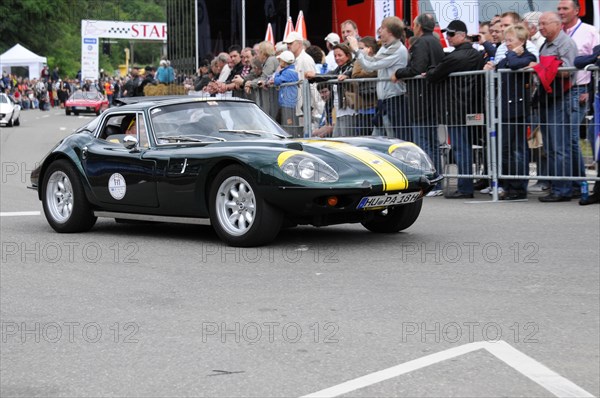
(435, 192)
(539, 187)
(490, 191)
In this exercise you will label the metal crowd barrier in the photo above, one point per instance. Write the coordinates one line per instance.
(543, 142)
(474, 125)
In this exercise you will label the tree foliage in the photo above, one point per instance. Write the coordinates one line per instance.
(52, 28)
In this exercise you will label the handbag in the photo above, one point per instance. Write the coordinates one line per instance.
(534, 138)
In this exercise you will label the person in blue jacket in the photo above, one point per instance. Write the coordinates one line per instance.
(288, 93)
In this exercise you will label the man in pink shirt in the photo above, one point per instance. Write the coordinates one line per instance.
(586, 37)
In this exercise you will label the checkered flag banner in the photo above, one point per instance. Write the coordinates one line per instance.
(124, 30)
(119, 31)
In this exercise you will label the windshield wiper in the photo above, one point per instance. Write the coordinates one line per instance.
(259, 133)
(188, 138)
(251, 132)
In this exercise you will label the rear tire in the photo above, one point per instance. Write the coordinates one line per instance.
(67, 111)
(239, 215)
(63, 197)
(397, 218)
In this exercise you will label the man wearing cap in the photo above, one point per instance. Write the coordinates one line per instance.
(331, 40)
(287, 94)
(203, 77)
(461, 95)
(303, 64)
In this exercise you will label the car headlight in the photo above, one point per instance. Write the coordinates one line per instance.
(306, 167)
(411, 155)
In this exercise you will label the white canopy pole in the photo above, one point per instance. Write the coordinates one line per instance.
(287, 9)
(243, 23)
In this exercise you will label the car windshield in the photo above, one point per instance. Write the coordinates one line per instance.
(213, 121)
(3, 99)
(88, 95)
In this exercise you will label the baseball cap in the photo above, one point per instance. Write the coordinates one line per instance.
(456, 26)
(333, 38)
(287, 57)
(292, 37)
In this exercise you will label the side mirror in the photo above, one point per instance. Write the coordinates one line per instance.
(130, 142)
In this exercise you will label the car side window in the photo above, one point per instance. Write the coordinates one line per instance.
(113, 130)
(142, 132)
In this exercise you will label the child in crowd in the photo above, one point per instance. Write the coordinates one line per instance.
(288, 94)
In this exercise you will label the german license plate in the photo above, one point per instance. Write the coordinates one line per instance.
(80, 108)
(388, 200)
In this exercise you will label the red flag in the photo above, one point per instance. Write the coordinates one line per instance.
(301, 25)
(269, 35)
(289, 28)
(438, 30)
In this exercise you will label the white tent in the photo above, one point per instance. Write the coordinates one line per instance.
(20, 56)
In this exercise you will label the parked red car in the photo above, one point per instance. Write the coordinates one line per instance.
(86, 101)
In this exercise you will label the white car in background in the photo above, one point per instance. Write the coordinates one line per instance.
(9, 111)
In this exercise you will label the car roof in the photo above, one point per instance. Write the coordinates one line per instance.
(147, 102)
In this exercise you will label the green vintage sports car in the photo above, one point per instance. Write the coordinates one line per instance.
(227, 164)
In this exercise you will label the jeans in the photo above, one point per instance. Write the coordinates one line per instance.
(425, 135)
(555, 118)
(578, 111)
(392, 112)
(461, 139)
(514, 155)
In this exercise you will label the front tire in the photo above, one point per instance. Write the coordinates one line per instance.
(239, 215)
(63, 197)
(17, 122)
(67, 112)
(397, 218)
(10, 121)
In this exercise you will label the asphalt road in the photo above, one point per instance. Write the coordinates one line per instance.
(474, 300)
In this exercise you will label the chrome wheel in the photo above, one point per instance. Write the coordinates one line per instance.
(235, 203)
(59, 196)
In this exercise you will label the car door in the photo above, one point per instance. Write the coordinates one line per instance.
(120, 176)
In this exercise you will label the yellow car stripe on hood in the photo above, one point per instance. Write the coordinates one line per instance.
(392, 177)
(283, 156)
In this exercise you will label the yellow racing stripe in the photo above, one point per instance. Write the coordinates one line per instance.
(392, 177)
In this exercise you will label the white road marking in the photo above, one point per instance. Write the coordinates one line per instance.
(529, 367)
(19, 213)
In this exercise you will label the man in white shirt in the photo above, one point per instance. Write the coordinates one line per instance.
(586, 38)
(331, 40)
(303, 63)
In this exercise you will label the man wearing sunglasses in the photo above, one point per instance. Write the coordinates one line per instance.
(463, 95)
